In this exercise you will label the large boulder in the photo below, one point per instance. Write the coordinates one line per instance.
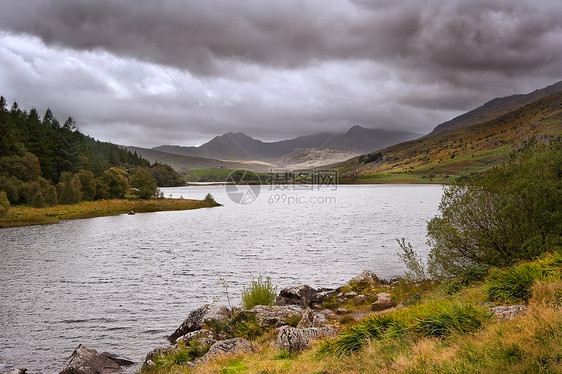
(294, 340)
(275, 315)
(227, 347)
(297, 295)
(364, 280)
(89, 361)
(198, 317)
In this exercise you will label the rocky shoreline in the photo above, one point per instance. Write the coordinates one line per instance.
(300, 315)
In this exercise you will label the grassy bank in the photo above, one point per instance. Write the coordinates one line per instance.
(435, 328)
(28, 216)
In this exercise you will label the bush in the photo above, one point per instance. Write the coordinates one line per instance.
(209, 199)
(260, 292)
(512, 213)
(515, 283)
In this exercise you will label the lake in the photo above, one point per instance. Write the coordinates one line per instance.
(122, 284)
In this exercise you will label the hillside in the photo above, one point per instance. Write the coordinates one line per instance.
(438, 157)
(495, 108)
(44, 162)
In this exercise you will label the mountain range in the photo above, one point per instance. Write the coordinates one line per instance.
(470, 142)
(238, 150)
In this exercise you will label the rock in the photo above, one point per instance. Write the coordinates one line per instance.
(204, 336)
(297, 295)
(350, 295)
(341, 310)
(366, 279)
(383, 302)
(508, 312)
(312, 319)
(89, 361)
(198, 317)
(120, 360)
(148, 361)
(328, 314)
(18, 371)
(360, 299)
(227, 347)
(294, 340)
(218, 313)
(193, 322)
(275, 316)
(323, 295)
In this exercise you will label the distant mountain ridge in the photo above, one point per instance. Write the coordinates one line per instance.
(496, 108)
(239, 146)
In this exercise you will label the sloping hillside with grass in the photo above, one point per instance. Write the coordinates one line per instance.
(438, 158)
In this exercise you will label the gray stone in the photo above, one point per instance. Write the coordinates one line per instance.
(350, 295)
(275, 316)
(322, 296)
(383, 302)
(18, 371)
(508, 312)
(312, 319)
(218, 313)
(297, 295)
(198, 317)
(89, 361)
(360, 299)
(193, 322)
(227, 347)
(341, 310)
(295, 340)
(204, 336)
(366, 279)
(149, 360)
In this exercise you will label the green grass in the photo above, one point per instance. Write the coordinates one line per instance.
(436, 319)
(260, 292)
(28, 216)
(514, 284)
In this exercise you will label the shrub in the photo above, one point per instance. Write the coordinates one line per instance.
(515, 284)
(260, 292)
(512, 213)
(209, 199)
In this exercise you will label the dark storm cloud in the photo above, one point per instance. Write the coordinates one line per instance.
(274, 68)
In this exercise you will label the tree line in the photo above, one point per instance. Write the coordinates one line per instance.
(44, 162)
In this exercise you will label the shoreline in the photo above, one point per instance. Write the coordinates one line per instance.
(21, 216)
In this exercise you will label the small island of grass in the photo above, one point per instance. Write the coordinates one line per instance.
(27, 216)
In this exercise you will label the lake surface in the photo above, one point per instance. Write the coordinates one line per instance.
(122, 284)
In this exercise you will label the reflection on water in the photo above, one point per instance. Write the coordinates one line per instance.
(123, 283)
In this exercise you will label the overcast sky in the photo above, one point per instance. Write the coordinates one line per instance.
(147, 73)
